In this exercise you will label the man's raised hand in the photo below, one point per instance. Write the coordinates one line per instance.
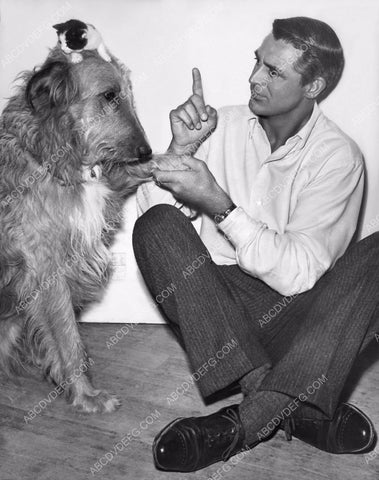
(193, 121)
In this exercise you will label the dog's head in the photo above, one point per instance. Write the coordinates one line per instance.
(86, 110)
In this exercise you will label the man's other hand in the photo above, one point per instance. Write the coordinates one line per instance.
(193, 184)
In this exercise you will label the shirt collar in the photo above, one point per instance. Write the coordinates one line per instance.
(302, 135)
(306, 130)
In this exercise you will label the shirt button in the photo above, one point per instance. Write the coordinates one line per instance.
(259, 202)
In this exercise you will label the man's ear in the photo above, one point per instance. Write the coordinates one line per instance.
(51, 87)
(314, 88)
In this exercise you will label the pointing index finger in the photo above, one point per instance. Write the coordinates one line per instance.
(197, 86)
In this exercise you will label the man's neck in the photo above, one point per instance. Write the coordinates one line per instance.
(279, 128)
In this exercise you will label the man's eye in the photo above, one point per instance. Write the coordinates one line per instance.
(273, 73)
(110, 95)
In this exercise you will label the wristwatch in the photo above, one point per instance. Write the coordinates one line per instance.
(219, 217)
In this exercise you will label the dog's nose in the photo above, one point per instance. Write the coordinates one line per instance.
(143, 151)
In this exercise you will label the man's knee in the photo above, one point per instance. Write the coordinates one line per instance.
(156, 216)
(158, 220)
(372, 240)
(368, 246)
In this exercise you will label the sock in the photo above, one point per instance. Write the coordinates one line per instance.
(251, 382)
(261, 413)
(306, 410)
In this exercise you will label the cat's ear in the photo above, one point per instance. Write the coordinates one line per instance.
(51, 87)
(59, 27)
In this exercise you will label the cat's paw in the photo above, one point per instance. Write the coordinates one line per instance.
(76, 57)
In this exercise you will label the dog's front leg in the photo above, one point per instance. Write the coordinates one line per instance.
(61, 353)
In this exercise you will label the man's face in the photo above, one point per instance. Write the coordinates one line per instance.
(275, 86)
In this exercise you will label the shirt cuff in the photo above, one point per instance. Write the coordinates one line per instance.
(240, 228)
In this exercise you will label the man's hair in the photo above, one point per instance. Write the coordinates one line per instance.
(322, 51)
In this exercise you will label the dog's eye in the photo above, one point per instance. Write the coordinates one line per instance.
(110, 95)
(96, 172)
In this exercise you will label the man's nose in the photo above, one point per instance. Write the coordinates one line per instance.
(257, 81)
(258, 76)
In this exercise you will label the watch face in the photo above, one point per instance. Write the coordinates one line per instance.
(218, 218)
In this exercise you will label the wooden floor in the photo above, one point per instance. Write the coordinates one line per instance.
(144, 368)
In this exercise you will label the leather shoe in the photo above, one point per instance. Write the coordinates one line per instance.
(349, 431)
(189, 444)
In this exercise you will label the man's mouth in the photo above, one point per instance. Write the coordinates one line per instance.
(256, 96)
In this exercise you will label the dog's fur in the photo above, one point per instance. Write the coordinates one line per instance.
(70, 145)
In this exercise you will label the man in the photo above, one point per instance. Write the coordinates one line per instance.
(278, 187)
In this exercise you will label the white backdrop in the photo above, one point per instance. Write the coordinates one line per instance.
(161, 40)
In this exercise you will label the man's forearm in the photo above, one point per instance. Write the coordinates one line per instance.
(180, 149)
(217, 202)
(189, 148)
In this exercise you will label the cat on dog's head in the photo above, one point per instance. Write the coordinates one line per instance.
(74, 36)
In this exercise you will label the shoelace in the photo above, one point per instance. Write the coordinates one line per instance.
(289, 426)
(232, 415)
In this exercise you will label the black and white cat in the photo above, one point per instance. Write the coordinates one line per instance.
(75, 36)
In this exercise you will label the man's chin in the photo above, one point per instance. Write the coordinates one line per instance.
(257, 107)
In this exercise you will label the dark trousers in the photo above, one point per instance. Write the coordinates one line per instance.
(232, 323)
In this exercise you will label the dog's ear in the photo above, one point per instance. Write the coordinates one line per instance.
(49, 92)
(51, 87)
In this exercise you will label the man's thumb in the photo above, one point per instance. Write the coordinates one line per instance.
(211, 111)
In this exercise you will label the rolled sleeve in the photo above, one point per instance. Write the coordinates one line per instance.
(240, 228)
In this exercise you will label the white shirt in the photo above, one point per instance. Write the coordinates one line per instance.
(297, 207)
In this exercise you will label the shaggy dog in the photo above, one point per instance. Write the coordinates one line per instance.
(71, 150)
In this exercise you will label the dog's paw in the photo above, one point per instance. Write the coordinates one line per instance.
(168, 161)
(98, 402)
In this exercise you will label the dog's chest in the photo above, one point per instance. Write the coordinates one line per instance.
(87, 219)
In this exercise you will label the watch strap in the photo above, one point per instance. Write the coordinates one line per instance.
(219, 217)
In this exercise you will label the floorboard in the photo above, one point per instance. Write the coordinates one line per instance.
(144, 368)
